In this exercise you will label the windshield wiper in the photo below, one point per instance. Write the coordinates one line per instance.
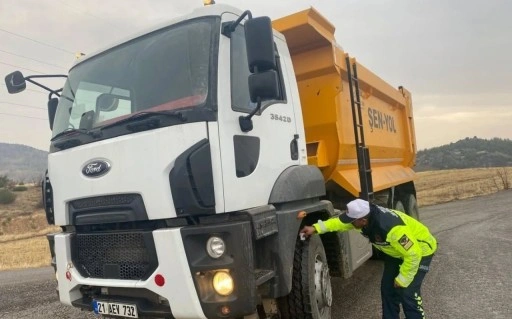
(144, 115)
(75, 131)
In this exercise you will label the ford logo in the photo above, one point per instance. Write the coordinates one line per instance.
(96, 168)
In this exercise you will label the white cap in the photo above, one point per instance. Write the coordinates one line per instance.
(356, 209)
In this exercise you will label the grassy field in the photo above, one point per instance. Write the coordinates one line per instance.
(23, 224)
(22, 232)
(448, 185)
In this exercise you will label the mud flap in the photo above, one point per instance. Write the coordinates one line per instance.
(355, 250)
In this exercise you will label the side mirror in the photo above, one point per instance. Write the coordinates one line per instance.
(86, 120)
(107, 102)
(261, 57)
(264, 85)
(52, 109)
(260, 44)
(15, 82)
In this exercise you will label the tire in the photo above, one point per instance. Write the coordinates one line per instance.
(311, 294)
(411, 207)
(399, 206)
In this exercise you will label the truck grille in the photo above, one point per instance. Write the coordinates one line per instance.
(126, 255)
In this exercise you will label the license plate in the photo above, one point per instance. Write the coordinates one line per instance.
(115, 309)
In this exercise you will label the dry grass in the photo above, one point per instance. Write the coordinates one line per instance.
(436, 187)
(25, 253)
(25, 204)
(40, 233)
(23, 230)
(23, 224)
(24, 217)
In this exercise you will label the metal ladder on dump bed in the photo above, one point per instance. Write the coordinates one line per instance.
(363, 154)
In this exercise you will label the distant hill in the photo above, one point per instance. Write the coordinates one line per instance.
(467, 153)
(22, 163)
(27, 164)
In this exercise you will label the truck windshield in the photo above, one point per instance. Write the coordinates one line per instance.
(165, 71)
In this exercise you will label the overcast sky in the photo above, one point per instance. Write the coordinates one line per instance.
(453, 55)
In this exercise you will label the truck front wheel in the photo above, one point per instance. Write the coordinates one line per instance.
(311, 295)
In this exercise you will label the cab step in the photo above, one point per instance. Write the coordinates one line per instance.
(263, 275)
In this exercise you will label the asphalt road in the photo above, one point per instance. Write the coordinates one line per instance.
(470, 277)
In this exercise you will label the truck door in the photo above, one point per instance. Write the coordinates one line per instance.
(251, 161)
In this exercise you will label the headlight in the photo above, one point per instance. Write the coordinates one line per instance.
(215, 247)
(223, 283)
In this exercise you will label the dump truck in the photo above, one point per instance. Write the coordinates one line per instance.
(185, 160)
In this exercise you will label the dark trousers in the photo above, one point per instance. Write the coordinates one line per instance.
(409, 297)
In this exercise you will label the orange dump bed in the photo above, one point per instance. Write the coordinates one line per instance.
(321, 72)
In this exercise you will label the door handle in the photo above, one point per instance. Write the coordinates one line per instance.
(294, 147)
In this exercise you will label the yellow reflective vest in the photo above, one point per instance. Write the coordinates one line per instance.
(395, 234)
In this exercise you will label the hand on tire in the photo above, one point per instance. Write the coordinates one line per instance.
(307, 231)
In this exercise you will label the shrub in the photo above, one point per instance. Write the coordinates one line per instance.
(19, 188)
(502, 181)
(6, 197)
(4, 180)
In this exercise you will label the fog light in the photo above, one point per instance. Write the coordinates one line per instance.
(215, 247)
(223, 283)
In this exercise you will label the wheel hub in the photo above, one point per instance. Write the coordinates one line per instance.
(323, 291)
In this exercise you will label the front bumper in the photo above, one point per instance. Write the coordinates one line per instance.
(179, 289)
(184, 263)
